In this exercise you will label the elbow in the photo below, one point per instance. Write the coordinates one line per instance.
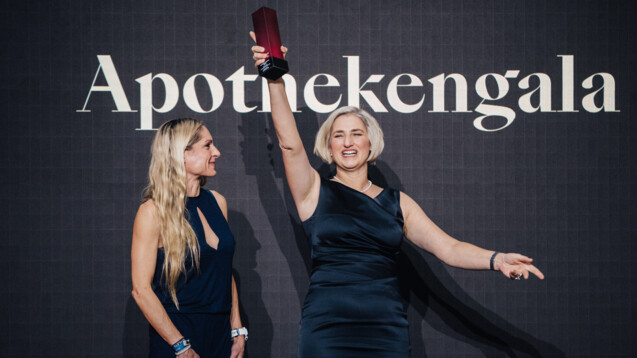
(449, 255)
(290, 148)
(136, 295)
(139, 294)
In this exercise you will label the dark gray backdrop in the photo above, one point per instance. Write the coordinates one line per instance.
(558, 186)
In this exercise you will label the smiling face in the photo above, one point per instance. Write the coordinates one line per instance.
(200, 158)
(349, 142)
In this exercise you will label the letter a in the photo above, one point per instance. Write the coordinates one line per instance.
(114, 86)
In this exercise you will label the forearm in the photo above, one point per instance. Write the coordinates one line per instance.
(156, 315)
(468, 256)
(283, 118)
(235, 317)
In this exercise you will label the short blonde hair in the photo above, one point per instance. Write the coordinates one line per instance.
(374, 132)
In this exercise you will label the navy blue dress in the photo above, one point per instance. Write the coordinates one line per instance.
(205, 297)
(353, 307)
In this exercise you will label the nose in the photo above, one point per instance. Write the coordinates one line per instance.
(215, 152)
(348, 141)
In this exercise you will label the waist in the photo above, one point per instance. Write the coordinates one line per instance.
(218, 301)
(353, 269)
(208, 292)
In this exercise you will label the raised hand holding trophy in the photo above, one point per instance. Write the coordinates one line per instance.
(266, 29)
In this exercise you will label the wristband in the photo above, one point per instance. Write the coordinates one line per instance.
(492, 259)
(182, 351)
(181, 346)
(239, 332)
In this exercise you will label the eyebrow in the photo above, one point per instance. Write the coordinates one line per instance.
(342, 131)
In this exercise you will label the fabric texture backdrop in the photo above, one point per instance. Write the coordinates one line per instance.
(556, 184)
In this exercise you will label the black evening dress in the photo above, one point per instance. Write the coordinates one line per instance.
(205, 297)
(353, 307)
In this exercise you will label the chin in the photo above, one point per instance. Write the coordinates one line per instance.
(351, 166)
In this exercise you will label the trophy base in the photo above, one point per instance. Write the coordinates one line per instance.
(273, 68)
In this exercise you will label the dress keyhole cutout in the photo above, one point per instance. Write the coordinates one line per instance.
(211, 238)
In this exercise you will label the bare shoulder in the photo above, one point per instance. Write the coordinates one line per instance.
(221, 201)
(147, 210)
(146, 225)
(407, 204)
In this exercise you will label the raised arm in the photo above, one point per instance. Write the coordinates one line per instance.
(420, 230)
(303, 180)
(143, 259)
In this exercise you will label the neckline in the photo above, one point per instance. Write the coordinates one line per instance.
(358, 192)
(194, 199)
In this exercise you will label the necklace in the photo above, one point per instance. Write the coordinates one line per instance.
(369, 184)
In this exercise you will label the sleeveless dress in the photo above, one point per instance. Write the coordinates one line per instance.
(205, 297)
(353, 307)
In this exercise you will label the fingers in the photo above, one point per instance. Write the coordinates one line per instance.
(236, 352)
(258, 50)
(516, 273)
(258, 56)
(536, 272)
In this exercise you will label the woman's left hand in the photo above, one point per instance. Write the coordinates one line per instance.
(516, 266)
(238, 346)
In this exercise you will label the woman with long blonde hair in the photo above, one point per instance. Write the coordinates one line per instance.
(182, 250)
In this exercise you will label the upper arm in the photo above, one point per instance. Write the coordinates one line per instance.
(305, 190)
(221, 201)
(303, 180)
(144, 246)
(423, 232)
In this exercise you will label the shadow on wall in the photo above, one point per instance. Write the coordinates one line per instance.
(462, 317)
(135, 339)
(262, 158)
(251, 305)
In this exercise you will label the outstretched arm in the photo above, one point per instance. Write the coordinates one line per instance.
(425, 234)
(303, 180)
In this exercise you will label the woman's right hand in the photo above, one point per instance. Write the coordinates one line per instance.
(258, 52)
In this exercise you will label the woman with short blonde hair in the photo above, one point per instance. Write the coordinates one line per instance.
(353, 307)
(375, 133)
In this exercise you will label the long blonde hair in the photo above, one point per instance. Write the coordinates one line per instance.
(167, 188)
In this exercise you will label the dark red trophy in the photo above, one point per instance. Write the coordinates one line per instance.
(266, 27)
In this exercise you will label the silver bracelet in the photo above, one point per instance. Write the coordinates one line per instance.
(239, 332)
